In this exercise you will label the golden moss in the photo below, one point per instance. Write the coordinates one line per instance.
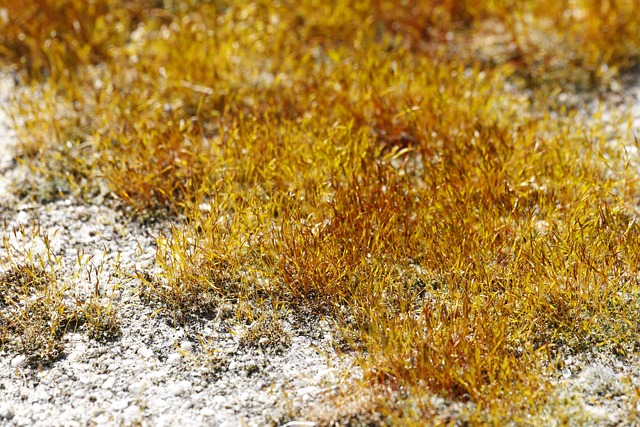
(381, 165)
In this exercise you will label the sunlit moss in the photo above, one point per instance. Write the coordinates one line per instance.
(391, 168)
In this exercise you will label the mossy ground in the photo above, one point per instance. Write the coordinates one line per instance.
(411, 172)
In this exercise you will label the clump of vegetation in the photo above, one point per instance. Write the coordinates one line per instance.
(101, 320)
(212, 363)
(266, 331)
(404, 171)
(51, 37)
(36, 308)
(33, 315)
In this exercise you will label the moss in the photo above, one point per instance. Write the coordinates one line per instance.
(336, 158)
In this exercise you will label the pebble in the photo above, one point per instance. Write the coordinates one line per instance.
(109, 383)
(77, 353)
(174, 358)
(310, 390)
(219, 400)
(156, 375)
(596, 412)
(101, 420)
(18, 361)
(208, 412)
(22, 217)
(323, 373)
(263, 398)
(6, 411)
(146, 352)
(137, 387)
(119, 405)
(132, 414)
(179, 388)
(22, 421)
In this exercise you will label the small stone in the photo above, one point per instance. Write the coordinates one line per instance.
(22, 217)
(174, 358)
(39, 414)
(263, 398)
(186, 345)
(596, 412)
(119, 405)
(137, 387)
(18, 360)
(6, 412)
(22, 421)
(156, 375)
(208, 412)
(132, 414)
(77, 354)
(310, 390)
(179, 388)
(101, 419)
(219, 400)
(146, 352)
(109, 383)
(322, 374)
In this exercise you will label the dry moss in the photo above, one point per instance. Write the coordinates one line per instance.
(38, 306)
(404, 170)
(33, 318)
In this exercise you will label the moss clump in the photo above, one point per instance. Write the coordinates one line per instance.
(406, 172)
